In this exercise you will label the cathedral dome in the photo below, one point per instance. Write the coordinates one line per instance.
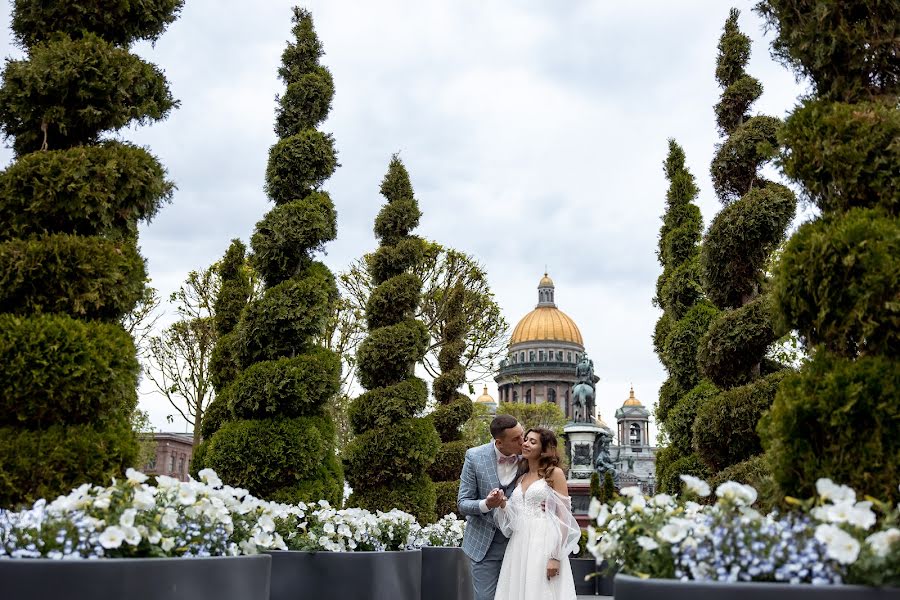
(632, 401)
(485, 398)
(546, 323)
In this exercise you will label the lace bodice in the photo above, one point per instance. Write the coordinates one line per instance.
(532, 498)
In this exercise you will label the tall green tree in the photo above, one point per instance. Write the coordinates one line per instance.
(453, 407)
(70, 269)
(685, 319)
(276, 438)
(546, 414)
(837, 281)
(388, 459)
(733, 261)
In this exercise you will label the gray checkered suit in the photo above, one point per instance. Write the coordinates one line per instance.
(483, 543)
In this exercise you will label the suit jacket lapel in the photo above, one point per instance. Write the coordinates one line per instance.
(489, 458)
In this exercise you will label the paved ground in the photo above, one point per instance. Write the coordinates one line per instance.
(594, 597)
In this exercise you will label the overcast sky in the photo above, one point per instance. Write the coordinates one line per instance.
(533, 132)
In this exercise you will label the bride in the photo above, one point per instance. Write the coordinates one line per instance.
(538, 520)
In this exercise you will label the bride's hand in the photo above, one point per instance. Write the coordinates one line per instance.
(552, 568)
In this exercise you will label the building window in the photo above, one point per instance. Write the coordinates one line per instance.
(515, 396)
(570, 356)
(151, 464)
(551, 395)
(172, 463)
(181, 465)
(559, 355)
(541, 355)
(531, 356)
(635, 434)
(521, 356)
(527, 396)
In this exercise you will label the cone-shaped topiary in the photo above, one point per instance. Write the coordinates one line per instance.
(453, 407)
(733, 259)
(686, 313)
(69, 264)
(269, 427)
(836, 283)
(388, 460)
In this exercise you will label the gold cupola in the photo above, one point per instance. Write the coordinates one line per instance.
(546, 322)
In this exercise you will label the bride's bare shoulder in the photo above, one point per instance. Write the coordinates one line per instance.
(558, 481)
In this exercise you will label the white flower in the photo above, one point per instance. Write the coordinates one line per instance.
(186, 496)
(165, 482)
(594, 508)
(882, 541)
(862, 515)
(135, 477)
(673, 532)
(603, 515)
(132, 535)
(742, 495)
(829, 490)
(144, 500)
(839, 545)
(127, 517)
(154, 536)
(647, 543)
(167, 544)
(112, 537)
(263, 539)
(662, 500)
(631, 490)
(695, 485)
(209, 477)
(266, 523)
(169, 519)
(102, 502)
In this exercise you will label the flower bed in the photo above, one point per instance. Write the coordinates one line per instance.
(830, 539)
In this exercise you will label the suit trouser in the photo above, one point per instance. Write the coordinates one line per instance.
(486, 571)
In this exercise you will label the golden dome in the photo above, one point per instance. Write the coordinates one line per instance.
(546, 281)
(546, 323)
(485, 398)
(632, 401)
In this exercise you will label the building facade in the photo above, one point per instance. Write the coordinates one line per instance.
(544, 348)
(173, 455)
(634, 457)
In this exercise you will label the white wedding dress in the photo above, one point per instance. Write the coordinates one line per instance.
(536, 534)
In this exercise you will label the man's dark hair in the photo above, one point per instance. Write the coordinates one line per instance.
(501, 423)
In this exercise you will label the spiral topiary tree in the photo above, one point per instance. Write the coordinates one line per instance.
(733, 259)
(836, 284)
(388, 460)
(275, 437)
(453, 407)
(69, 263)
(234, 294)
(685, 319)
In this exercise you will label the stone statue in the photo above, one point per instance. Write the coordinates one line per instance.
(603, 462)
(583, 392)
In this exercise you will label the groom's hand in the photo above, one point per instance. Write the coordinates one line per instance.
(495, 498)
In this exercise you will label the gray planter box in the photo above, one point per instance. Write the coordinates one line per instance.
(633, 588)
(218, 578)
(345, 575)
(581, 568)
(446, 574)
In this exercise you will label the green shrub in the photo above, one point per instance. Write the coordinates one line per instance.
(383, 406)
(290, 387)
(283, 322)
(417, 496)
(680, 420)
(736, 341)
(756, 472)
(681, 289)
(88, 190)
(846, 155)
(88, 277)
(299, 165)
(725, 426)
(683, 341)
(390, 302)
(396, 219)
(37, 90)
(234, 290)
(389, 455)
(740, 240)
(44, 463)
(198, 459)
(446, 493)
(223, 361)
(449, 418)
(837, 418)
(387, 355)
(837, 282)
(118, 22)
(390, 261)
(735, 166)
(670, 465)
(285, 236)
(669, 393)
(448, 463)
(215, 415)
(269, 454)
(325, 483)
(661, 332)
(306, 102)
(58, 370)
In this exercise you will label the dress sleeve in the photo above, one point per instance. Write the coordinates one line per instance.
(508, 518)
(559, 511)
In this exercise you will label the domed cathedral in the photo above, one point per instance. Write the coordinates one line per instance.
(634, 458)
(544, 348)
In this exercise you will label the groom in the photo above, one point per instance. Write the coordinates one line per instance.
(488, 476)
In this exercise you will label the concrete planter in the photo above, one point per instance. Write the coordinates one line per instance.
(633, 588)
(217, 578)
(581, 568)
(446, 574)
(343, 575)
